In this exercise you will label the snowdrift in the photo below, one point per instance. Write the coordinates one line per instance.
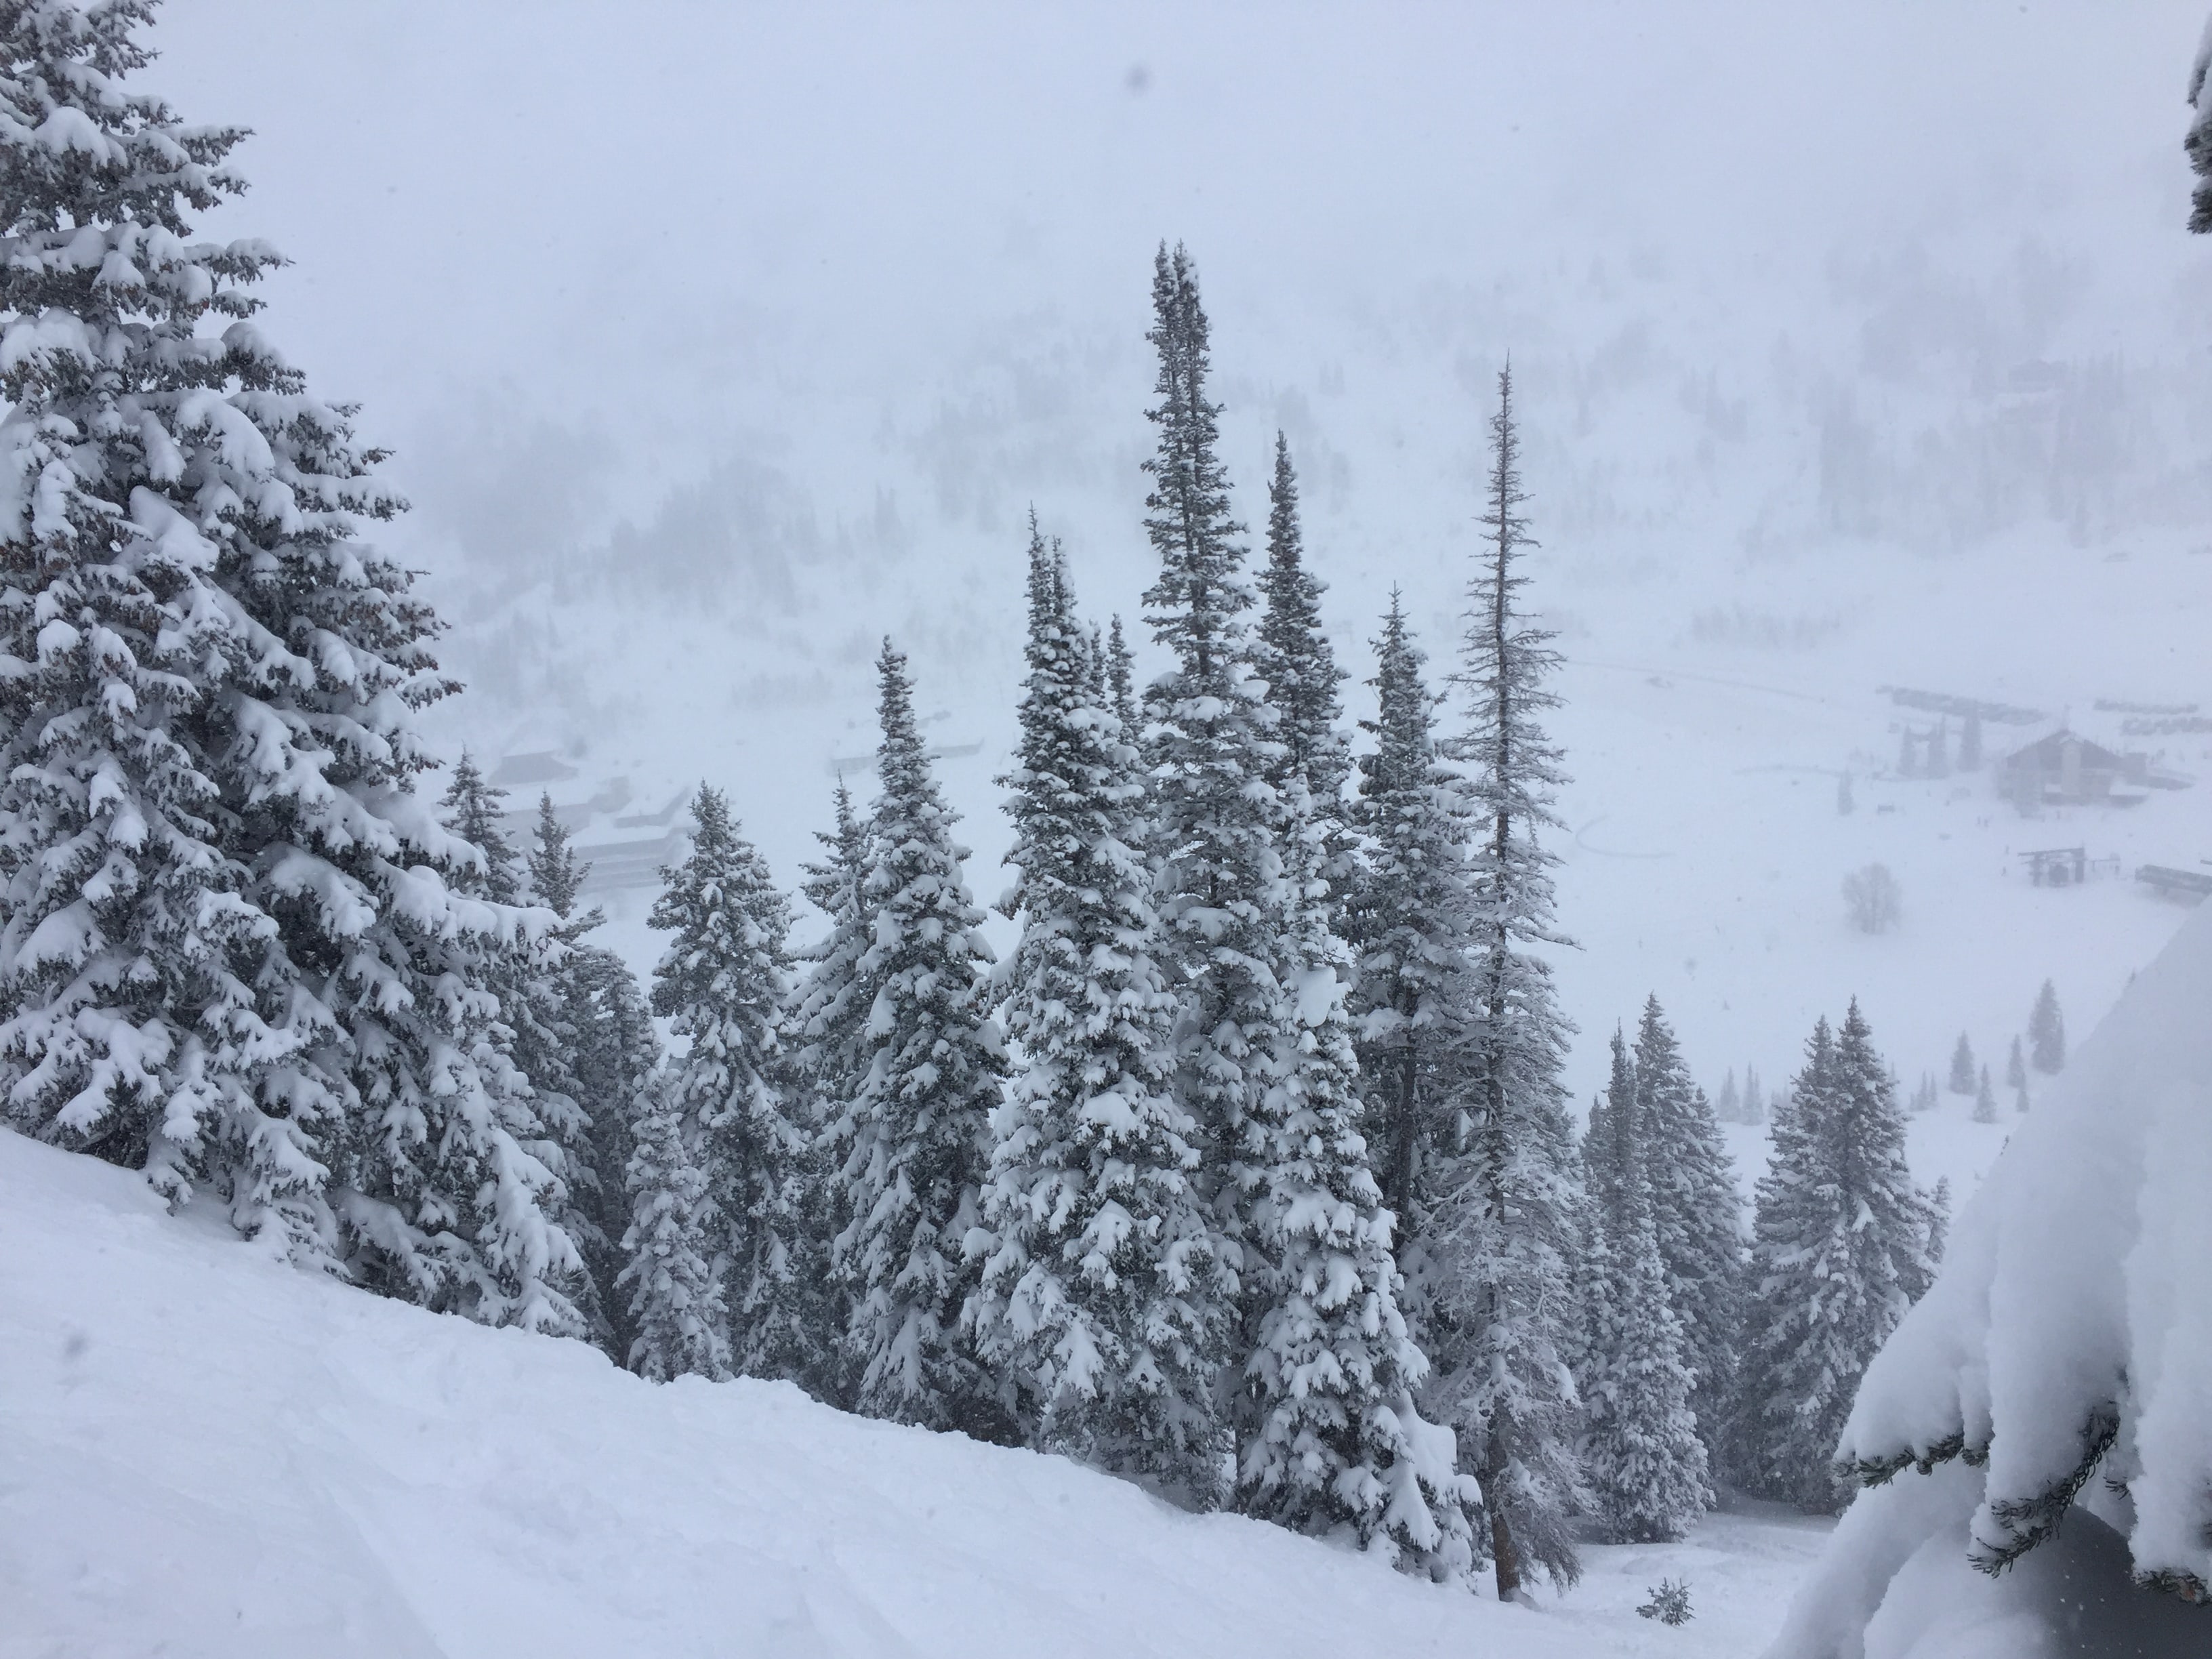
(2047, 1399)
(205, 1453)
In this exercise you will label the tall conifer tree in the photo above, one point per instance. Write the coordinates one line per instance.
(1409, 918)
(915, 1139)
(824, 1025)
(1697, 1218)
(1216, 820)
(231, 950)
(1514, 1214)
(1100, 1292)
(1292, 654)
(1840, 1249)
(721, 984)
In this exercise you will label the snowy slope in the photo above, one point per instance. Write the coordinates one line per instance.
(206, 1454)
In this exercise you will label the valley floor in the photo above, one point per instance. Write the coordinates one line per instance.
(203, 1453)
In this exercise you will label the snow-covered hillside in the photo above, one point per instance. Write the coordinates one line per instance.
(204, 1454)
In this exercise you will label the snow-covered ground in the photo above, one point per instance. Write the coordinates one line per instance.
(204, 1454)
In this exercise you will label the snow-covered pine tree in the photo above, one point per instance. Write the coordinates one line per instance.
(1408, 918)
(237, 961)
(1840, 1252)
(1330, 1438)
(825, 1025)
(1292, 654)
(1216, 821)
(1646, 1461)
(1728, 1107)
(671, 1286)
(1696, 1217)
(2046, 1032)
(596, 1035)
(473, 807)
(1962, 1066)
(1985, 1100)
(2016, 1067)
(915, 1137)
(1609, 1144)
(721, 984)
(1512, 1222)
(1754, 1097)
(1100, 1296)
(1121, 682)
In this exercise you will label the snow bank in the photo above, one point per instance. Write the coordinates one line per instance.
(2071, 1312)
(204, 1453)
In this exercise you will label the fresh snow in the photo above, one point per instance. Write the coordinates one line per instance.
(209, 1454)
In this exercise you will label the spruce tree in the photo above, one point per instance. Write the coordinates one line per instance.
(1754, 1098)
(1985, 1100)
(1647, 1462)
(1099, 1293)
(1513, 1220)
(603, 1044)
(2046, 1032)
(232, 953)
(1729, 1107)
(1839, 1251)
(1409, 916)
(472, 809)
(672, 1288)
(1962, 1066)
(1292, 654)
(825, 1025)
(1216, 821)
(1121, 683)
(1330, 1438)
(2016, 1067)
(1696, 1216)
(721, 984)
(915, 1137)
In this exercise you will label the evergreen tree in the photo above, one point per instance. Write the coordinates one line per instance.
(473, 810)
(1121, 682)
(1100, 1293)
(1962, 1066)
(1647, 1462)
(721, 984)
(1513, 1213)
(1754, 1098)
(1293, 656)
(1331, 1440)
(916, 1136)
(1985, 1100)
(1216, 821)
(2016, 1067)
(1409, 919)
(675, 1300)
(2046, 1032)
(232, 953)
(1839, 1251)
(1729, 1106)
(1696, 1217)
(825, 1026)
(606, 1053)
